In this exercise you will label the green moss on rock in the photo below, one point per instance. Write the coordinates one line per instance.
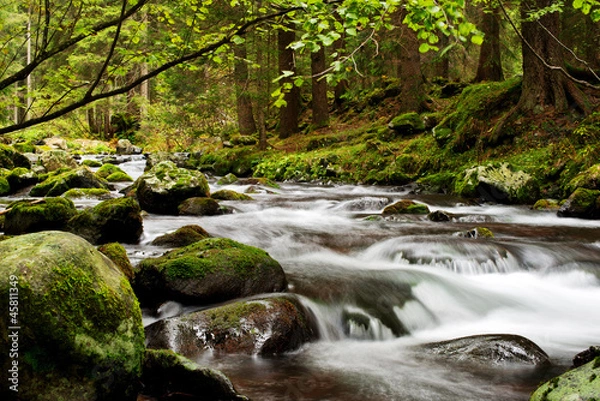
(407, 124)
(10, 158)
(582, 383)
(92, 163)
(112, 173)
(56, 159)
(200, 206)
(97, 193)
(583, 203)
(56, 185)
(183, 236)
(29, 216)
(226, 194)
(405, 206)
(118, 255)
(81, 334)
(210, 270)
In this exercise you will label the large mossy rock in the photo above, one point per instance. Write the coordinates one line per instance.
(56, 185)
(20, 178)
(112, 173)
(56, 159)
(113, 220)
(589, 179)
(227, 194)
(581, 384)
(200, 207)
(165, 186)
(405, 206)
(583, 203)
(166, 373)
(28, 216)
(497, 183)
(263, 326)
(491, 349)
(81, 335)
(183, 236)
(208, 271)
(118, 255)
(407, 124)
(10, 158)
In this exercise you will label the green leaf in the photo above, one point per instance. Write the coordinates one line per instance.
(424, 48)
(577, 4)
(477, 39)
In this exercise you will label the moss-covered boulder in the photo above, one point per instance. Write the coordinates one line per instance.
(208, 271)
(589, 179)
(497, 183)
(56, 185)
(583, 203)
(405, 206)
(546, 204)
(228, 179)
(4, 186)
(477, 232)
(440, 216)
(183, 236)
(112, 173)
(10, 158)
(261, 326)
(490, 349)
(113, 220)
(92, 163)
(28, 216)
(407, 124)
(227, 194)
(81, 334)
(20, 178)
(93, 193)
(55, 159)
(166, 373)
(199, 206)
(165, 186)
(582, 383)
(117, 253)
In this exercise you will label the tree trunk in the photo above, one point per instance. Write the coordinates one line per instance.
(320, 104)
(289, 114)
(542, 87)
(246, 122)
(409, 69)
(490, 64)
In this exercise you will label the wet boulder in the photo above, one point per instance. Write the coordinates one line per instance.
(490, 349)
(113, 220)
(227, 194)
(228, 179)
(208, 271)
(183, 236)
(56, 159)
(92, 193)
(112, 173)
(165, 186)
(589, 179)
(583, 203)
(200, 206)
(81, 335)
(180, 159)
(166, 373)
(581, 383)
(405, 206)
(497, 183)
(477, 232)
(118, 255)
(125, 147)
(440, 216)
(10, 158)
(262, 326)
(28, 216)
(20, 178)
(57, 184)
(546, 204)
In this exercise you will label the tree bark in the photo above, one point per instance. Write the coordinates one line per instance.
(288, 114)
(320, 104)
(489, 67)
(245, 116)
(409, 69)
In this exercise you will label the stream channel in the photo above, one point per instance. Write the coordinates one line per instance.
(538, 278)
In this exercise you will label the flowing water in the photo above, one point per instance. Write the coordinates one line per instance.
(380, 287)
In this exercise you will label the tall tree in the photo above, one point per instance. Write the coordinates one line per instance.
(290, 113)
(412, 91)
(489, 67)
(245, 115)
(320, 103)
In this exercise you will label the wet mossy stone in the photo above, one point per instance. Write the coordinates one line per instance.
(117, 253)
(439, 216)
(227, 194)
(20, 178)
(200, 206)
(81, 335)
(262, 326)
(228, 179)
(165, 372)
(112, 173)
(183, 236)
(10, 158)
(477, 232)
(91, 163)
(208, 271)
(165, 186)
(589, 179)
(582, 383)
(28, 216)
(113, 220)
(56, 159)
(407, 124)
(96, 193)
(4, 186)
(490, 349)
(497, 183)
(56, 185)
(546, 204)
(583, 203)
(405, 206)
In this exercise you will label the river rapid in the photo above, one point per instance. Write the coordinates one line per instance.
(411, 281)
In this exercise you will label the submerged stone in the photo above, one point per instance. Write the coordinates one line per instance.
(208, 271)
(81, 335)
(263, 326)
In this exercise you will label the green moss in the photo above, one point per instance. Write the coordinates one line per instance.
(546, 204)
(57, 184)
(405, 206)
(231, 316)
(117, 253)
(76, 193)
(581, 383)
(4, 186)
(24, 147)
(107, 170)
(182, 237)
(30, 216)
(91, 163)
(226, 194)
(408, 123)
(119, 177)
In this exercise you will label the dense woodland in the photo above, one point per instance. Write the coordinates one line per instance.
(174, 75)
